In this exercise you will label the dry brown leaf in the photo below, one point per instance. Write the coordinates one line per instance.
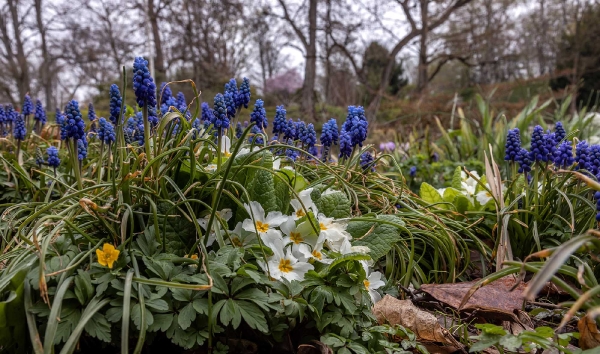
(494, 297)
(423, 324)
(589, 334)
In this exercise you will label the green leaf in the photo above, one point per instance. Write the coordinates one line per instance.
(98, 327)
(253, 316)
(334, 205)
(430, 195)
(457, 178)
(333, 340)
(230, 314)
(201, 306)
(510, 342)
(186, 316)
(136, 316)
(162, 322)
(158, 304)
(379, 237)
(485, 340)
(84, 290)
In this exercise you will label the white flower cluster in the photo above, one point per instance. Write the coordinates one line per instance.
(469, 188)
(296, 242)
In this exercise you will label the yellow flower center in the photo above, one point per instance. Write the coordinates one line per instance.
(318, 255)
(285, 266)
(322, 226)
(300, 213)
(367, 283)
(194, 256)
(226, 153)
(296, 237)
(262, 227)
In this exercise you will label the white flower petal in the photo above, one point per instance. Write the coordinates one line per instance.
(275, 218)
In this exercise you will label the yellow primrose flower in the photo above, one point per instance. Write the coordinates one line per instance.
(108, 255)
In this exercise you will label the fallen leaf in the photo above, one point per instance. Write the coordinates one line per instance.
(588, 331)
(405, 313)
(494, 297)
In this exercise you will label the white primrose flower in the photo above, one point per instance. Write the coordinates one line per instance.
(211, 167)
(372, 283)
(483, 197)
(348, 248)
(224, 215)
(315, 253)
(240, 237)
(299, 211)
(283, 264)
(261, 224)
(332, 233)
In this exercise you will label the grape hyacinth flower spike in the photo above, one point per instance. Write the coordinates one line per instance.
(539, 151)
(259, 115)
(27, 109)
(3, 129)
(279, 122)
(329, 137)
(243, 94)
(513, 145)
(115, 104)
(39, 117)
(145, 93)
(53, 160)
(345, 144)
(367, 162)
(20, 132)
(560, 132)
(563, 156)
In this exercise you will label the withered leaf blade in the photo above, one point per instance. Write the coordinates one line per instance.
(494, 297)
(423, 324)
(588, 331)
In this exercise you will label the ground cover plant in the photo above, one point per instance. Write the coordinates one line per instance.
(197, 225)
(210, 227)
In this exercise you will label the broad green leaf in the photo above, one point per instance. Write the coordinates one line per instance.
(99, 327)
(186, 315)
(457, 178)
(84, 290)
(334, 205)
(430, 195)
(379, 237)
(162, 322)
(253, 316)
(510, 342)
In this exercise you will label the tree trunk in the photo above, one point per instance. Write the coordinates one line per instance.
(423, 75)
(45, 76)
(23, 82)
(159, 63)
(310, 69)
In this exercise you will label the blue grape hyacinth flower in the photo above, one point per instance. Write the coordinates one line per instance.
(539, 151)
(259, 115)
(91, 112)
(559, 132)
(412, 171)
(582, 151)
(356, 125)
(279, 122)
(219, 117)
(594, 159)
(238, 130)
(207, 114)
(181, 102)
(256, 136)
(243, 94)
(329, 133)
(289, 132)
(20, 131)
(166, 95)
(230, 104)
(81, 149)
(143, 84)
(53, 160)
(74, 121)
(115, 104)
(231, 86)
(308, 136)
(40, 113)
(513, 145)
(27, 106)
(345, 144)
(367, 161)
(106, 131)
(563, 156)
(523, 158)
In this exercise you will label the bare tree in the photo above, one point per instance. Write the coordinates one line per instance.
(309, 48)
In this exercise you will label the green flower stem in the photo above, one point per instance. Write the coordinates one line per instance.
(100, 162)
(219, 139)
(146, 132)
(76, 164)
